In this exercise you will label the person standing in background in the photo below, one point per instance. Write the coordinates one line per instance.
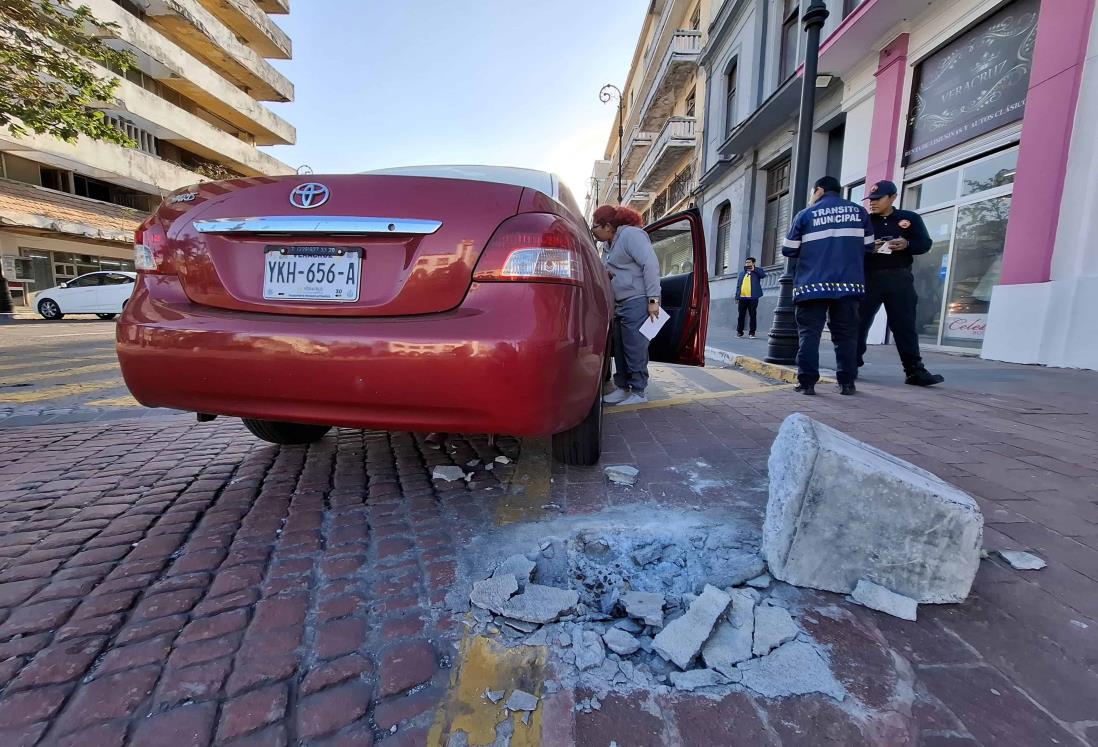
(900, 236)
(748, 293)
(830, 239)
(635, 279)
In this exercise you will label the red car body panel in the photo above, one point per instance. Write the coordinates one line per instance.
(424, 349)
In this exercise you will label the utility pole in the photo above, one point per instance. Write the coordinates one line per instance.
(782, 347)
(607, 93)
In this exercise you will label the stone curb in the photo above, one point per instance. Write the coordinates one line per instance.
(787, 374)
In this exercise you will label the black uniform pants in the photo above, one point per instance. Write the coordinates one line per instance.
(895, 290)
(748, 307)
(841, 315)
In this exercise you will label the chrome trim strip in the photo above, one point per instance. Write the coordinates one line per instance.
(308, 224)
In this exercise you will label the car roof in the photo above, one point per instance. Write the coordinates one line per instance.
(542, 181)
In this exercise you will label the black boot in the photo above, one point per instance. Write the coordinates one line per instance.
(847, 389)
(808, 389)
(921, 377)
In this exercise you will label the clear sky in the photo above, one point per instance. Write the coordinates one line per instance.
(501, 82)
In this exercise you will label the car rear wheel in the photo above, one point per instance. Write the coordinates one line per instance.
(286, 434)
(582, 446)
(49, 309)
(106, 316)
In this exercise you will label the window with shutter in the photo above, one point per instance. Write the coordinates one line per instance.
(724, 239)
(779, 205)
(730, 99)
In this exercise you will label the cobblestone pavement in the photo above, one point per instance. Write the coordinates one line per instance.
(168, 583)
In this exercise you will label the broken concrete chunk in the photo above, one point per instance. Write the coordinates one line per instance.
(1022, 561)
(733, 567)
(646, 554)
(540, 604)
(503, 460)
(796, 668)
(521, 700)
(733, 637)
(683, 638)
(645, 606)
(620, 642)
(588, 647)
(473, 463)
(629, 625)
(538, 638)
(494, 695)
(518, 566)
(458, 739)
(448, 473)
(876, 597)
(760, 582)
(493, 593)
(773, 627)
(696, 678)
(520, 625)
(840, 511)
(622, 474)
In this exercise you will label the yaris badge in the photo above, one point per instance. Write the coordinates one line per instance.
(309, 195)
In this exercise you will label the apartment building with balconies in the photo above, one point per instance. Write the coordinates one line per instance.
(194, 105)
(663, 100)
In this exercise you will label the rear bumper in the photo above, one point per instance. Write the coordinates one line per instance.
(514, 358)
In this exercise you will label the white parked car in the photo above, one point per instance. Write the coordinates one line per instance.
(101, 293)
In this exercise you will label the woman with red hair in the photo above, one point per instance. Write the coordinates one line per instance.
(635, 278)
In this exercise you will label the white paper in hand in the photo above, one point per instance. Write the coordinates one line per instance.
(651, 328)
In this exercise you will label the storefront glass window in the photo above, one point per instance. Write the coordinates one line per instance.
(930, 275)
(991, 173)
(977, 263)
(937, 190)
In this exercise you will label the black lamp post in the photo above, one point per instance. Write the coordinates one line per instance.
(608, 92)
(782, 347)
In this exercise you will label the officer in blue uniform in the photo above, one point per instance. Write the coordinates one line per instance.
(900, 236)
(830, 239)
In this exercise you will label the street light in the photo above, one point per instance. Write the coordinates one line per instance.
(782, 346)
(608, 92)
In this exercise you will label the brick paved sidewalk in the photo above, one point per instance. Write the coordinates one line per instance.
(164, 583)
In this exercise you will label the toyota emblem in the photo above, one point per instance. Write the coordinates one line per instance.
(309, 195)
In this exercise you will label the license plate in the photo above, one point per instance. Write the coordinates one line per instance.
(312, 273)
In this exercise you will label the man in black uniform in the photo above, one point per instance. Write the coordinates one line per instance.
(899, 235)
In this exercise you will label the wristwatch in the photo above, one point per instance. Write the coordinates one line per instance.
(653, 300)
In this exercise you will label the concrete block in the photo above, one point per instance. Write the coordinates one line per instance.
(773, 627)
(493, 593)
(732, 639)
(620, 642)
(645, 606)
(876, 597)
(1022, 561)
(588, 647)
(540, 604)
(841, 511)
(683, 638)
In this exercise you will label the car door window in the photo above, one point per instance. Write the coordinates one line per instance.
(116, 279)
(679, 245)
(85, 281)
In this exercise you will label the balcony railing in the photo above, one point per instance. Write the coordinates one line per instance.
(636, 197)
(678, 134)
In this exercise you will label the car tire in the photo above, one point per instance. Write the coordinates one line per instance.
(582, 446)
(49, 309)
(106, 316)
(285, 434)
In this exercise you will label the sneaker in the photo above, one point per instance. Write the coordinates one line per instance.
(752, 336)
(922, 377)
(807, 389)
(847, 389)
(739, 334)
(616, 396)
(635, 398)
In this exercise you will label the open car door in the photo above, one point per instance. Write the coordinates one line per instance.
(684, 286)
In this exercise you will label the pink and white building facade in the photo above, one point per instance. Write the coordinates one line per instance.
(981, 111)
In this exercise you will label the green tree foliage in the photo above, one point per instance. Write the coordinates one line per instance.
(47, 85)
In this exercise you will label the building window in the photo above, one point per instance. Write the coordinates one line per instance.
(724, 239)
(790, 17)
(849, 6)
(696, 18)
(691, 102)
(730, 99)
(856, 192)
(779, 204)
(659, 205)
(55, 179)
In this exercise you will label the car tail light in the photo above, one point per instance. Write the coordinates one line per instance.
(150, 249)
(532, 247)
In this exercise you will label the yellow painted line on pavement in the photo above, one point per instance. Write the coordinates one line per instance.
(484, 665)
(691, 398)
(126, 401)
(672, 383)
(530, 486)
(59, 392)
(53, 361)
(735, 378)
(772, 370)
(59, 373)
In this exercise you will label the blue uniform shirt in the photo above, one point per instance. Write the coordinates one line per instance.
(830, 240)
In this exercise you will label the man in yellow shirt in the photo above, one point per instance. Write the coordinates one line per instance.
(748, 294)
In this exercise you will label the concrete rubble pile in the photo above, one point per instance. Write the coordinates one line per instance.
(642, 614)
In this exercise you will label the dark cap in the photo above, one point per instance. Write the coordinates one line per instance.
(829, 184)
(877, 190)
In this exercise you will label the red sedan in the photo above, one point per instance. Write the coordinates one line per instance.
(451, 299)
